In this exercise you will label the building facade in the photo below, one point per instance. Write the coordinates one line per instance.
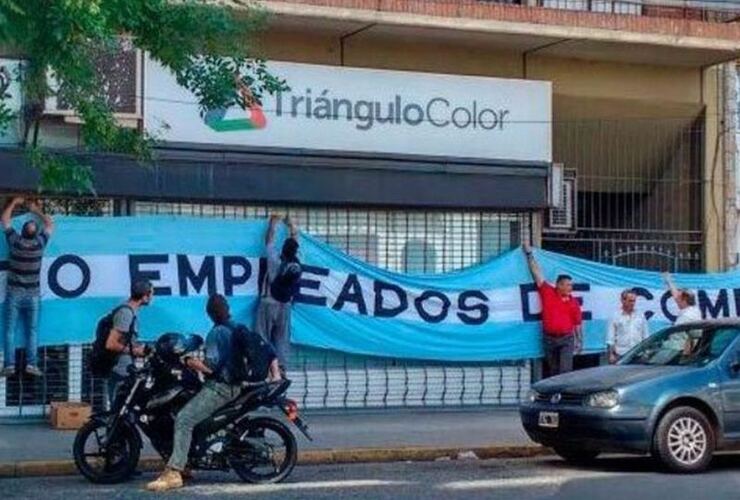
(633, 134)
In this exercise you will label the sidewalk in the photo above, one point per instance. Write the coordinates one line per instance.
(439, 428)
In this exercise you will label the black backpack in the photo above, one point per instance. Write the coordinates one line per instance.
(251, 356)
(285, 285)
(102, 360)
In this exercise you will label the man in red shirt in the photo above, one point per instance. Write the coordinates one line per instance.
(561, 319)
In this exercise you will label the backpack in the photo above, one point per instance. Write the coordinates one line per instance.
(101, 359)
(251, 356)
(285, 285)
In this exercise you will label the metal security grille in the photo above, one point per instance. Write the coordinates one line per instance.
(640, 192)
(407, 241)
(404, 241)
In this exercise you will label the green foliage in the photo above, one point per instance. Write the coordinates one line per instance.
(206, 45)
(65, 173)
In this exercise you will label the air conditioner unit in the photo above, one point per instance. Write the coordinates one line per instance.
(562, 217)
(120, 71)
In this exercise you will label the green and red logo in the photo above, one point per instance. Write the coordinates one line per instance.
(255, 120)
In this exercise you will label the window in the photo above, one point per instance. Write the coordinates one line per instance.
(419, 257)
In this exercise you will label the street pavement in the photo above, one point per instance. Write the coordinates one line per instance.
(609, 478)
(394, 428)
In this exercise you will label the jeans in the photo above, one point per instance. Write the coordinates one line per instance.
(23, 307)
(559, 354)
(211, 397)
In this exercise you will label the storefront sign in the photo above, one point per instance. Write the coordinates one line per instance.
(367, 110)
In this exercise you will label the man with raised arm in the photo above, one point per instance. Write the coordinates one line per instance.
(562, 335)
(23, 297)
(278, 288)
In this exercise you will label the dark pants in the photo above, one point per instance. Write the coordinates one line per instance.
(112, 385)
(558, 354)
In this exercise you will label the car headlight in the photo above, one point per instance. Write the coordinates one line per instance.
(532, 395)
(604, 399)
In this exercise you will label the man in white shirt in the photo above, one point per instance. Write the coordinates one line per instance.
(627, 329)
(688, 312)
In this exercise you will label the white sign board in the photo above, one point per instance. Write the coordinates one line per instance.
(367, 110)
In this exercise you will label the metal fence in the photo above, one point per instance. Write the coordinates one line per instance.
(408, 241)
(640, 192)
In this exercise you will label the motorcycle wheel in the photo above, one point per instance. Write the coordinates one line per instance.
(265, 453)
(106, 463)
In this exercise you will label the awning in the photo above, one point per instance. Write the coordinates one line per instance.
(186, 172)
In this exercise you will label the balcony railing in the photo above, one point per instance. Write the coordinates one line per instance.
(703, 19)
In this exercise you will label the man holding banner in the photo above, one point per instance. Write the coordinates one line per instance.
(688, 312)
(277, 289)
(561, 318)
(23, 298)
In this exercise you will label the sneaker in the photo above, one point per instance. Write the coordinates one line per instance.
(34, 371)
(169, 480)
(8, 371)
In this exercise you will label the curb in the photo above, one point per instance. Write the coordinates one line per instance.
(309, 457)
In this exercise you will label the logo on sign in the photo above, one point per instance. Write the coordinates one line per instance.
(255, 120)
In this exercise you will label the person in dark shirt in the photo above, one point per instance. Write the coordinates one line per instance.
(23, 293)
(274, 311)
(220, 388)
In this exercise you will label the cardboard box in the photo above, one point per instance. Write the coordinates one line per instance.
(67, 415)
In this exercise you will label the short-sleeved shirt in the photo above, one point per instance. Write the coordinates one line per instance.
(688, 315)
(560, 316)
(25, 256)
(218, 351)
(125, 322)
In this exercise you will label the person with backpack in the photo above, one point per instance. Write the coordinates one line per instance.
(233, 354)
(115, 345)
(278, 288)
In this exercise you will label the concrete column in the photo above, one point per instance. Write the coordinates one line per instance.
(714, 173)
(731, 164)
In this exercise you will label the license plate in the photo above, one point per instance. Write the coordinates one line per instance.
(549, 419)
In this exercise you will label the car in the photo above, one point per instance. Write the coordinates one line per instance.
(676, 395)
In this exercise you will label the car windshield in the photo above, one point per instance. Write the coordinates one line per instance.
(682, 347)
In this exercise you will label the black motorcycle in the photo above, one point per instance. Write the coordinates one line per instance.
(260, 449)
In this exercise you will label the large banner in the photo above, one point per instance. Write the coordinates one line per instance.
(483, 313)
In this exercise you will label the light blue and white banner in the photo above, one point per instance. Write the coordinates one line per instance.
(483, 313)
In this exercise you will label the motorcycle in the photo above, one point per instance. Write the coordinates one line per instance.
(260, 449)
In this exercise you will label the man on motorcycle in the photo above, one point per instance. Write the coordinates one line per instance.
(219, 389)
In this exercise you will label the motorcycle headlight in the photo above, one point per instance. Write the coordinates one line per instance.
(532, 395)
(604, 399)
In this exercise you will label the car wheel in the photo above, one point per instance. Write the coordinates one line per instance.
(684, 440)
(577, 456)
